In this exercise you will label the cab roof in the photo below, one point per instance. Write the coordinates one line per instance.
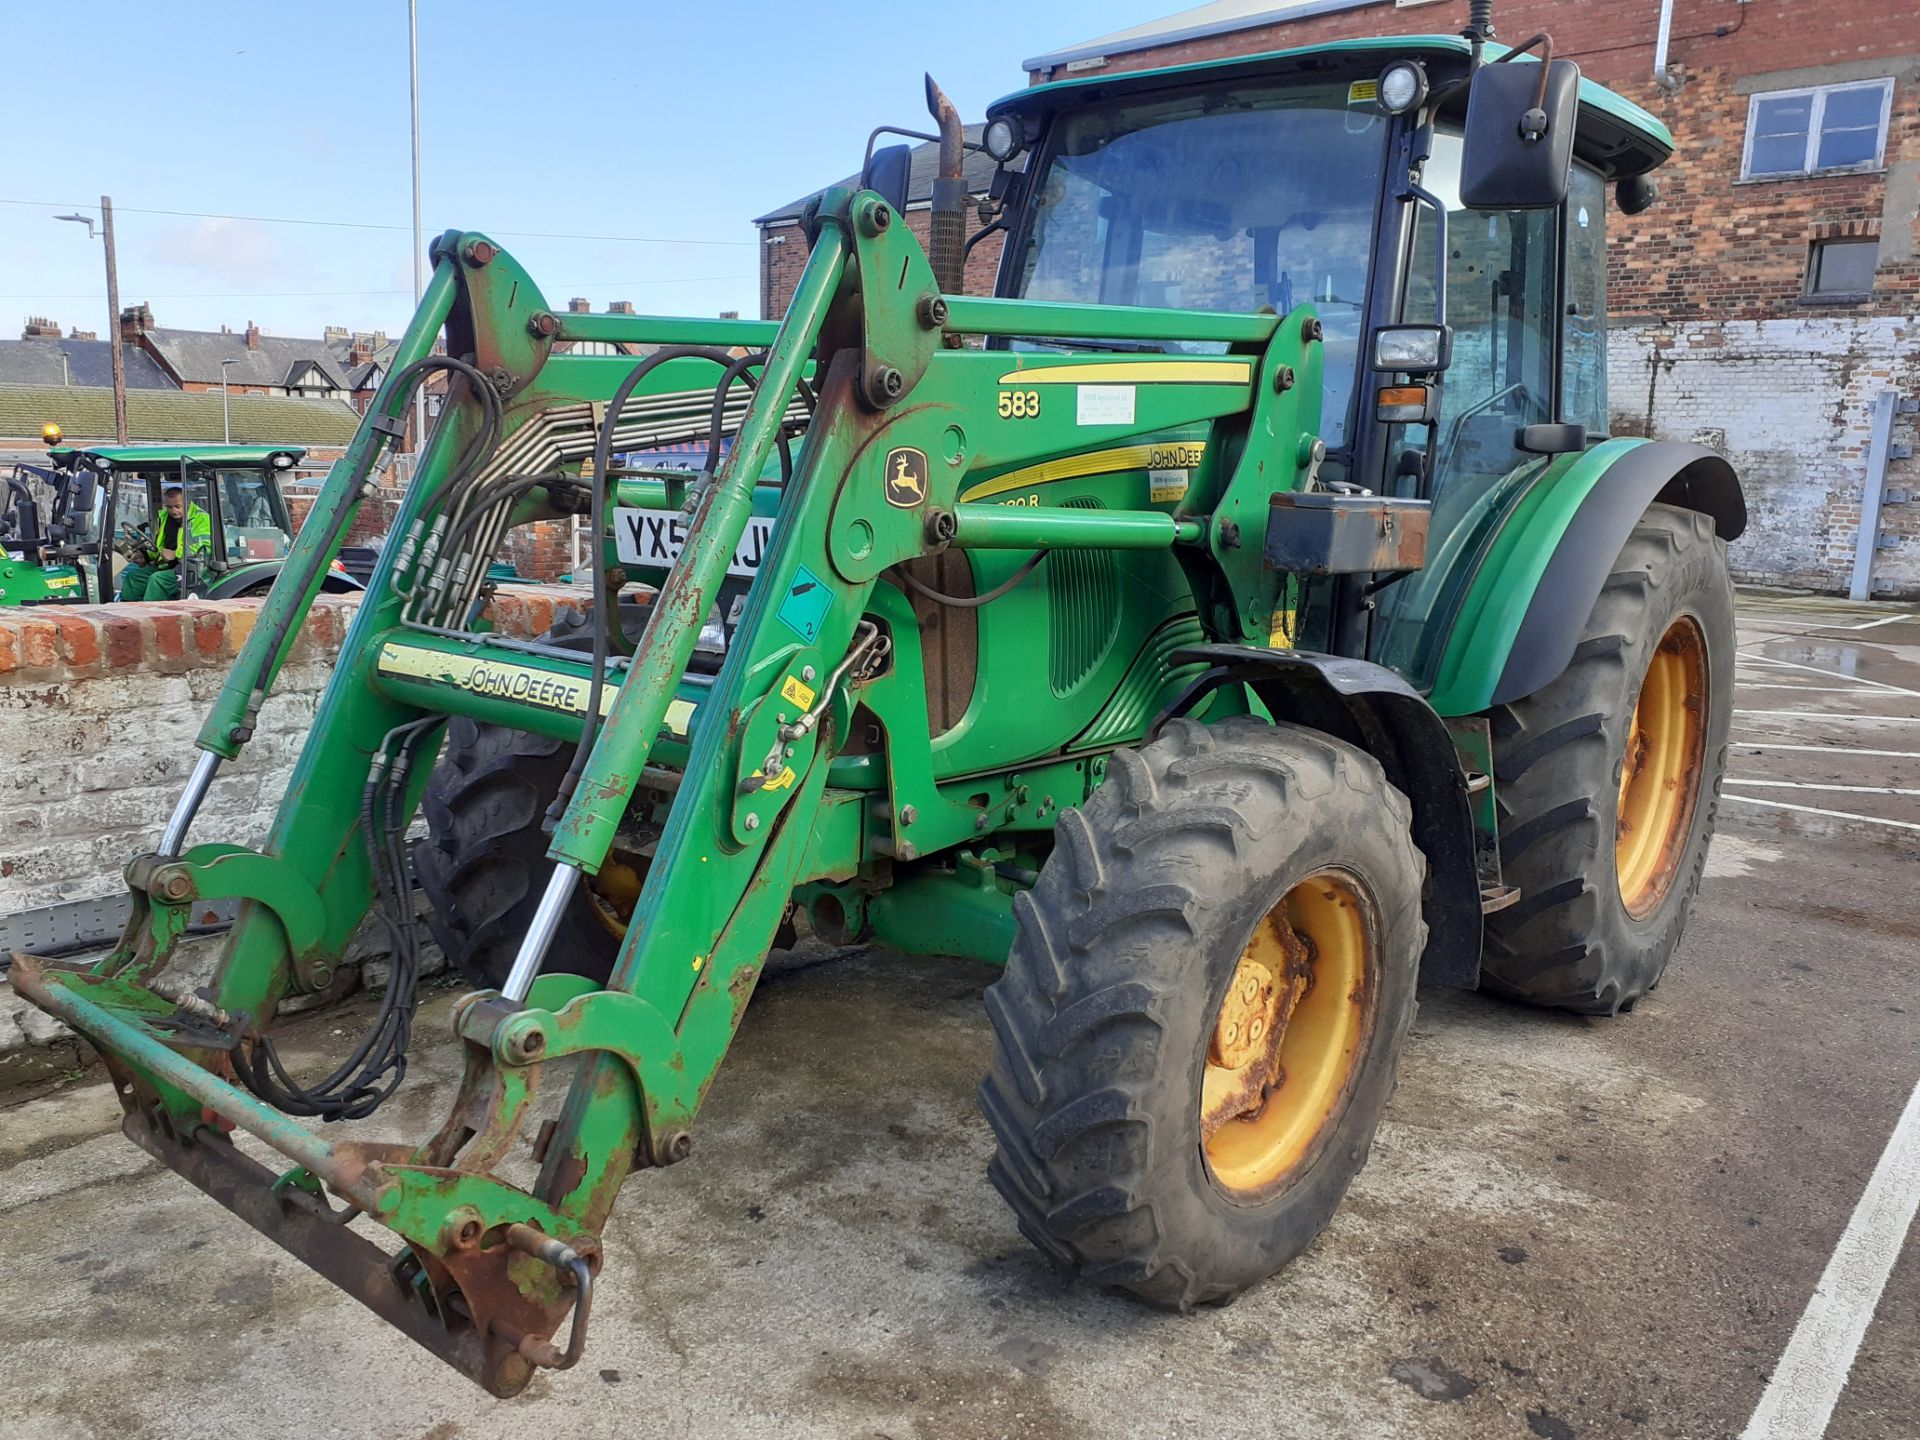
(137, 456)
(1615, 135)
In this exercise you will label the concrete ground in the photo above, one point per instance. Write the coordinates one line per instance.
(1569, 1227)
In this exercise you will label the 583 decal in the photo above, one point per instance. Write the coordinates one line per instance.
(1019, 404)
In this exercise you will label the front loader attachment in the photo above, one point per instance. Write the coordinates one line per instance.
(741, 776)
(493, 1278)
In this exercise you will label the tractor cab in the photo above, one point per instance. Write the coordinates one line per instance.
(1450, 238)
(247, 527)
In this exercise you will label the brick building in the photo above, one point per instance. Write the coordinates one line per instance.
(1773, 292)
(783, 243)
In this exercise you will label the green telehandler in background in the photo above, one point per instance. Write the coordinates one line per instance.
(1234, 621)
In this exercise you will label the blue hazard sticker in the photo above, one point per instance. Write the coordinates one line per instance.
(803, 609)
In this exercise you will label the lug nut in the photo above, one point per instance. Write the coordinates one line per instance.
(1283, 380)
(933, 311)
(544, 324)
(479, 252)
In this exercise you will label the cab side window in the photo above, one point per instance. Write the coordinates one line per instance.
(1502, 280)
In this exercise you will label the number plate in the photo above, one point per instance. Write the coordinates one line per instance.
(653, 539)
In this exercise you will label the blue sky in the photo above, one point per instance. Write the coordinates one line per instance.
(675, 121)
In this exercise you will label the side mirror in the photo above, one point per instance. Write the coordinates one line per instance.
(888, 173)
(1518, 148)
(1557, 439)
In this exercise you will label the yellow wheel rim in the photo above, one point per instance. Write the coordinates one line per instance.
(1660, 773)
(615, 889)
(1289, 1034)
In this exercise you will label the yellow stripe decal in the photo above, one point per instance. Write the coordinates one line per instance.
(1136, 372)
(520, 684)
(1181, 454)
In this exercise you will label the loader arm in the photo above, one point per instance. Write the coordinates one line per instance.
(900, 425)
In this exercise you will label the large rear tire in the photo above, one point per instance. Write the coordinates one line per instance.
(1199, 1024)
(1608, 779)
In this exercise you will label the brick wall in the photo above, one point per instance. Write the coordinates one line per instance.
(784, 256)
(98, 709)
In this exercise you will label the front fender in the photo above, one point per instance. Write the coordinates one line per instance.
(1369, 706)
(262, 573)
(1525, 608)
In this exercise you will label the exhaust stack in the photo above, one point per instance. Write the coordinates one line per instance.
(946, 229)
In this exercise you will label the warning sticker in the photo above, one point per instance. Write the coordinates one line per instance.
(797, 692)
(1363, 92)
(805, 605)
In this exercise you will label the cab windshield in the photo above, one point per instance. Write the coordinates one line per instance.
(1231, 198)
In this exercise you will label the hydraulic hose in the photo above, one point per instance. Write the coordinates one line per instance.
(604, 613)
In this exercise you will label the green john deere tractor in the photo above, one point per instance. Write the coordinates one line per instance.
(107, 499)
(1236, 620)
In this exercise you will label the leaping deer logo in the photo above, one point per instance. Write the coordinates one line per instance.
(906, 478)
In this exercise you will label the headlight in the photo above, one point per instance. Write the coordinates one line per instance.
(1403, 85)
(1001, 141)
(1414, 349)
(283, 462)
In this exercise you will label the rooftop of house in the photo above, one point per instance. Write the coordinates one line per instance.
(258, 359)
(85, 416)
(925, 169)
(87, 362)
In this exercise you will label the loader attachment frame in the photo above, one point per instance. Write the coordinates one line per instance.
(901, 411)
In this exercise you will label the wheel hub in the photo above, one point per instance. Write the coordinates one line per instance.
(1661, 768)
(1288, 1034)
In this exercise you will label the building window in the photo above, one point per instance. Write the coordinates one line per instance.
(1825, 127)
(1842, 267)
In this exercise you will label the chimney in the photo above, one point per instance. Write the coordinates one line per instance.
(83, 334)
(226, 329)
(579, 305)
(39, 327)
(620, 307)
(729, 314)
(253, 336)
(135, 321)
(333, 334)
(361, 350)
(379, 339)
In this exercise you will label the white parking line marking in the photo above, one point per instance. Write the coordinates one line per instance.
(1810, 785)
(1814, 810)
(1874, 624)
(1839, 675)
(1765, 744)
(1835, 715)
(1806, 1384)
(1803, 689)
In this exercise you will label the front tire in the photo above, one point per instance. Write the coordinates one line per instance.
(1199, 1025)
(1608, 779)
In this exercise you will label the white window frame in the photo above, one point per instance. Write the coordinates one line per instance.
(1815, 117)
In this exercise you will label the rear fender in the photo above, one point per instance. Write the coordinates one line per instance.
(1524, 611)
(1371, 707)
